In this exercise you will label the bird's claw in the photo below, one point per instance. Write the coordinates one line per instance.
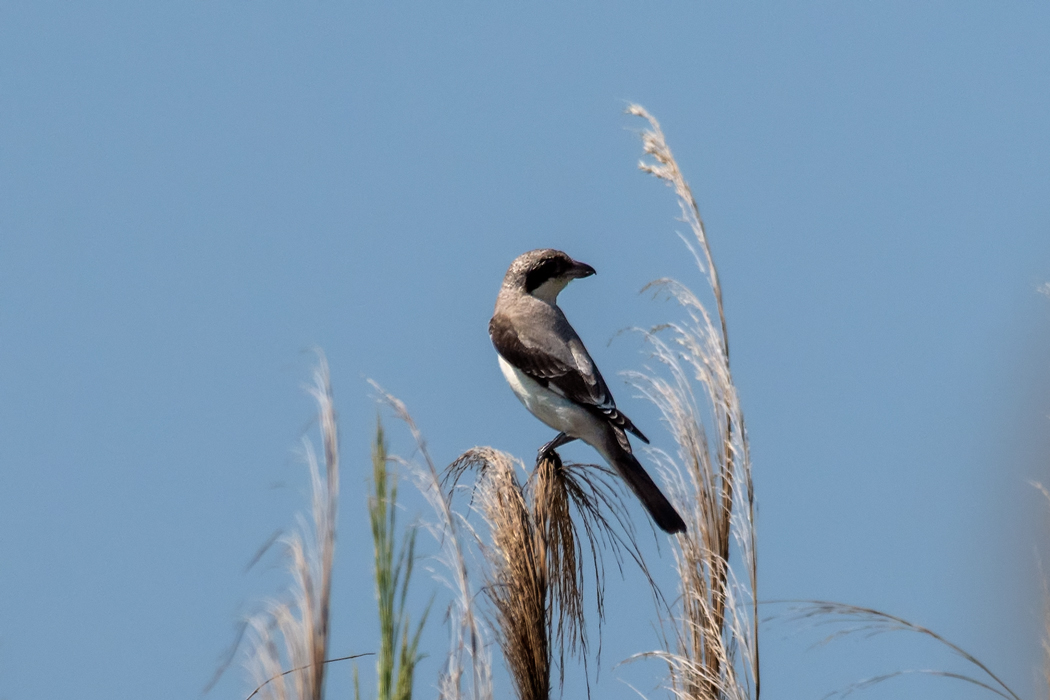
(548, 450)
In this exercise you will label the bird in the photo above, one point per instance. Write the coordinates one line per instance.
(552, 374)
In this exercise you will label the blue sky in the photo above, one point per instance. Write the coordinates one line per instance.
(195, 194)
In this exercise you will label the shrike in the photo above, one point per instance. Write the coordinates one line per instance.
(551, 372)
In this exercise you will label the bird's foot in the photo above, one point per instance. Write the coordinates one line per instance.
(548, 449)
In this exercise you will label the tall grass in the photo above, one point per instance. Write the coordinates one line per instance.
(713, 633)
(294, 630)
(716, 652)
(518, 585)
(538, 536)
(468, 657)
(398, 645)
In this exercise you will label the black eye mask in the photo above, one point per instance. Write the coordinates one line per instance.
(551, 268)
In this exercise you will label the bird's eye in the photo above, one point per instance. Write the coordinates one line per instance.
(551, 267)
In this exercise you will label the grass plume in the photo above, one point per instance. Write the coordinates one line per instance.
(536, 559)
(715, 627)
(295, 630)
(518, 583)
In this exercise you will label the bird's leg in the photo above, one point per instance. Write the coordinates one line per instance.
(559, 440)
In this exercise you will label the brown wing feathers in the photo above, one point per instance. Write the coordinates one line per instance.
(560, 376)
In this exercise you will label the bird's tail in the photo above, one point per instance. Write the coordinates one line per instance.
(660, 509)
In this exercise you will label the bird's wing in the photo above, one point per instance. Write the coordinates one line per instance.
(560, 362)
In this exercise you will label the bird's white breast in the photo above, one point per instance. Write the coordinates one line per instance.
(550, 407)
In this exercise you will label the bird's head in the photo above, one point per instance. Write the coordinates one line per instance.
(544, 273)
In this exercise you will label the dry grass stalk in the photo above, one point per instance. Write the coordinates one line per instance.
(467, 644)
(518, 583)
(295, 631)
(870, 622)
(716, 638)
(536, 559)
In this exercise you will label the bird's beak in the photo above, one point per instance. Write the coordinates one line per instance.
(580, 269)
